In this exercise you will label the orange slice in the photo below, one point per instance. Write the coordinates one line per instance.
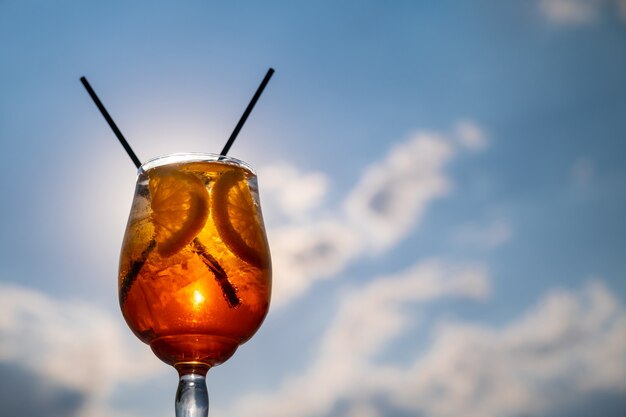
(180, 208)
(236, 218)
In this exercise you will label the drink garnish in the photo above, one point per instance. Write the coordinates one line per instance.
(232, 207)
(180, 208)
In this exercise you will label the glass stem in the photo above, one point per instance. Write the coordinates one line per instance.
(192, 398)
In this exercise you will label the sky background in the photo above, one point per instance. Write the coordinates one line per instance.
(443, 184)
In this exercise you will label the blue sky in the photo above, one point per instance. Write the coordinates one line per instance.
(442, 183)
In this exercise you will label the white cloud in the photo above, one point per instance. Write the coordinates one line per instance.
(392, 195)
(71, 344)
(577, 12)
(294, 193)
(568, 345)
(570, 11)
(490, 235)
(362, 410)
(372, 316)
(367, 321)
(306, 253)
(387, 204)
(470, 135)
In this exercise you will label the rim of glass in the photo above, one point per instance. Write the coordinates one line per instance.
(175, 158)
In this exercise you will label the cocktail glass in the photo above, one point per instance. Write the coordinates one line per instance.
(195, 268)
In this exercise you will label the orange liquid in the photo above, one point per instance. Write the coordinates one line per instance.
(196, 306)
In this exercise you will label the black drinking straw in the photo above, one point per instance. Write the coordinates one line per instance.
(110, 121)
(246, 113)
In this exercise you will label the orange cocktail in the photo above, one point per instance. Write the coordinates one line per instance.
(195, 269)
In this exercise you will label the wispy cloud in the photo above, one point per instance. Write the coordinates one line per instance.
(303, 254)
(292, 192)
(576, 12)
(386, 204)
(368, 320)
(568, 345)
(71, 344)
(485, 235)
(392, 195)
(470, 135)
